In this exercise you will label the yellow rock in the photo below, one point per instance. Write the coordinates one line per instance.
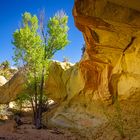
(64, 81)
(2, 80)
(13, 87)
(112, 35)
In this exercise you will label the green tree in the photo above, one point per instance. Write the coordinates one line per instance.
(5, 64)
(35, 44)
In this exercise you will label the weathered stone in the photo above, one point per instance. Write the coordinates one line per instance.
(10, 90)
(2, 80)
(110, 68)
(112, 33)
(64, 81)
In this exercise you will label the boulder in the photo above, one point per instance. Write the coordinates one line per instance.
(2, 80)
(13, 87)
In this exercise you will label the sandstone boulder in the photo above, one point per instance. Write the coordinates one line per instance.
(13, 87)
(64, 82)
(2, 80)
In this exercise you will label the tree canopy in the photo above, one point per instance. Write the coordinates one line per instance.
(35, 44)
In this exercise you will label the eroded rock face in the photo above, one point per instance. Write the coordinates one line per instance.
(78, 108)
(2, 80)
(110, 68)
(111, 62)
(112, 34)
(64, 82)
(10, 89)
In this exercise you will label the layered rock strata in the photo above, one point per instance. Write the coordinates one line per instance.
(111, 62)
(109, 69)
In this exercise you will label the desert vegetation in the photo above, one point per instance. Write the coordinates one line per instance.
(36, 42)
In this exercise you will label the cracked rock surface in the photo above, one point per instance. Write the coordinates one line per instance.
(111, 30)
(109, 68)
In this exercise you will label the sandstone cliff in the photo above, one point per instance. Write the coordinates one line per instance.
(111, 62)
(111, 29)
(79, 110)
(109, 69)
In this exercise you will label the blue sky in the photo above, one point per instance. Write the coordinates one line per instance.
(10, 17)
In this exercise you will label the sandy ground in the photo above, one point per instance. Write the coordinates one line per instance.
(9, 131)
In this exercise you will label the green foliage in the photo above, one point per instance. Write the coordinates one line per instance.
(57, 32)
(22, 99)
(27, 41)
(5, 65)
(34, 47)
(6, 71)
(30, 47)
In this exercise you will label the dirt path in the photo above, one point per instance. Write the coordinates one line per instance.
(8, 131)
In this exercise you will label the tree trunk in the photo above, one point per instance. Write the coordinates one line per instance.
(39, 118)
(36, 105)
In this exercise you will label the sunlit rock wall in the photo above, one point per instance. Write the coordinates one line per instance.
(10, 89)
(64, 82)
(110, 67)
(111, 62)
